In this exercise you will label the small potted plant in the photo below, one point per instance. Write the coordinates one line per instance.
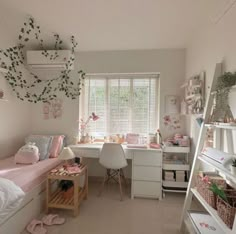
(67, 188)
(233, 167)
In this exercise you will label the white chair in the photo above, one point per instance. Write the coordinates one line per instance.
(112, 157)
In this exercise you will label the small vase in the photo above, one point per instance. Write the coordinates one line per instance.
(233, 170)
(82, 139)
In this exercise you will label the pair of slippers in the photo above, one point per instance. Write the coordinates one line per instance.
(36, 226)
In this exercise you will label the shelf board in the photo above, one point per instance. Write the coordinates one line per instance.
(174, 184)
(173, 190)
(3, 70)
(176, 167)
(232, 127)
(176, 149)
(211, 211)
(219, 167)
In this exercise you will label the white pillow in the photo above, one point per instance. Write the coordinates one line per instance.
(43, 143)
(11, 197)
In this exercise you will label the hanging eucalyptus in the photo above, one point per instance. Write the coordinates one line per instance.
(223, 87)
(222, 111)
(13, 60)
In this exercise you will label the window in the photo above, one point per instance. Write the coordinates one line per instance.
(124, 103)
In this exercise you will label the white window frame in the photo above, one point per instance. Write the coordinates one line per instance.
(83, 106)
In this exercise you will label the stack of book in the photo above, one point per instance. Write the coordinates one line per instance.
(169, 175)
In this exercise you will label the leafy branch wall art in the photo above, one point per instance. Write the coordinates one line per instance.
(13, 59)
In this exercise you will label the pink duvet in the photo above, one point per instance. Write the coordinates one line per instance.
(26, 176)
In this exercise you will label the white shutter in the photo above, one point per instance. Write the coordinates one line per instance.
(123, 103)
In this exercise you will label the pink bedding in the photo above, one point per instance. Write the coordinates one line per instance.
(26, 176)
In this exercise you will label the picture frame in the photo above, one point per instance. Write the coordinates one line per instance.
(172, 104)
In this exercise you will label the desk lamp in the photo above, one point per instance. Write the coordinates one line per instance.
(66, 154)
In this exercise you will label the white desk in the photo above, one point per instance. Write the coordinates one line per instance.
(146, 179)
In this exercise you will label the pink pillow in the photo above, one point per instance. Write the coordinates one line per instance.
(56, 146)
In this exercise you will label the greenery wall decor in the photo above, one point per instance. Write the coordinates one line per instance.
(26, 89)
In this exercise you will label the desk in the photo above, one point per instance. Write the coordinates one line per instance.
(146, 178)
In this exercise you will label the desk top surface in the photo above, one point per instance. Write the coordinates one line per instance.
(98, 146)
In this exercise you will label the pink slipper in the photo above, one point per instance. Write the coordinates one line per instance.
(36, 227)
(52, 219)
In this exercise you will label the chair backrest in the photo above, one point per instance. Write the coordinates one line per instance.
(112, 156)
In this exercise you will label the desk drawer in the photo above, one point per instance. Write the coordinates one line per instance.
(147, 173)
(87, 153)
(147, 158)
(147, 189)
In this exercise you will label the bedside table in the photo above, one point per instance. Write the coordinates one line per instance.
(55, 199)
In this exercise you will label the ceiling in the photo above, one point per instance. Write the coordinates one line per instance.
(114, 24)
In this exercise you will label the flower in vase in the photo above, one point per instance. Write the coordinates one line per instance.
(84, 124)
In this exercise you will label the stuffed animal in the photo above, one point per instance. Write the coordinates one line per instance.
(27, 154)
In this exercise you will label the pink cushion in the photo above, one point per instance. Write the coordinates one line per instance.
(56, 146)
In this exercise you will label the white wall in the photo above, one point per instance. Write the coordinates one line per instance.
(15, 115)
(169, 62)
(215, 43)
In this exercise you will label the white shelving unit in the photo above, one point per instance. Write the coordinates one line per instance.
(199, 158)
(176, 186)
(211, 211)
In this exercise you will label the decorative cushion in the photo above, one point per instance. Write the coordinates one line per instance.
(43, 143)
(27, 154)
(56, 146)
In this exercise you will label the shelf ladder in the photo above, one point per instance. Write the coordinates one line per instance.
(196, 161)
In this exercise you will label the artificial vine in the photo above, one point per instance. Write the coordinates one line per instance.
(13, 59)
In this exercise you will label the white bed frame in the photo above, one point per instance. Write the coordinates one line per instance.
(32, 205)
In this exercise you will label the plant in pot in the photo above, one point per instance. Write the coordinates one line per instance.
(233, 167)
(67, 188)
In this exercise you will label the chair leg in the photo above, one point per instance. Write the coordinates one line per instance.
(103, 183)
(119, 178)
(123, 177)
(108, 172)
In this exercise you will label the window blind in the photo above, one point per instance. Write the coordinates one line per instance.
(124, 103)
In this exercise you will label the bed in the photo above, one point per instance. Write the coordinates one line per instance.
(31, 179)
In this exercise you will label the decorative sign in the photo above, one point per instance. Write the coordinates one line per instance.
(52, 109)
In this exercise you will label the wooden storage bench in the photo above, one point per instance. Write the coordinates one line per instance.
(55, 199)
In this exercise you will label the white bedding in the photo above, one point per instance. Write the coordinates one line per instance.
(11, 197)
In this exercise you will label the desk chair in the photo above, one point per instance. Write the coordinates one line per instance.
(112, 157)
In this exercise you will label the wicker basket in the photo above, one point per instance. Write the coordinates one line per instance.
(206, 193)
(227, 211)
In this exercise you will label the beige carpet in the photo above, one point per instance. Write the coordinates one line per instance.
(108, 215)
